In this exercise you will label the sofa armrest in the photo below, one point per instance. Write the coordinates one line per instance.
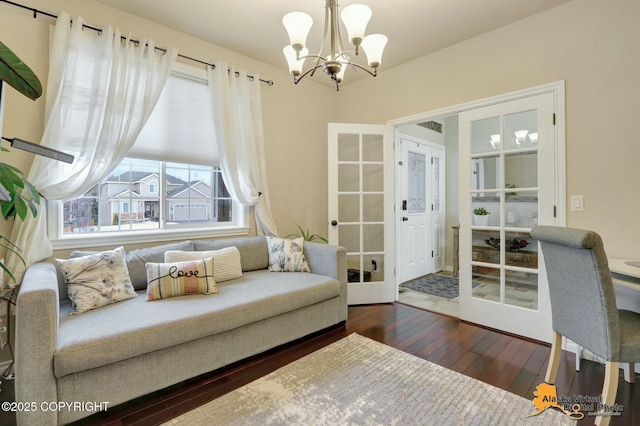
(37, 312)
(329, 260)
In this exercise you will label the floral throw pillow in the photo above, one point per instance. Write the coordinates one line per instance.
(166, 280)
(97, 280)
(286, 255)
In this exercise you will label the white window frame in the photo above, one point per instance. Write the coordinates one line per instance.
(61, 241)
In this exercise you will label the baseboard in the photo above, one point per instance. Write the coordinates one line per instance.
(570, 346)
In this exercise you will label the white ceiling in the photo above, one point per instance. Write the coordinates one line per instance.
(254, 28)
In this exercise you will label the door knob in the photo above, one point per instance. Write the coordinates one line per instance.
(404, 218)
(334, 222)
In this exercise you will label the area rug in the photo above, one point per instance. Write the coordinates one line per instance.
(358, 381)
(436, 285)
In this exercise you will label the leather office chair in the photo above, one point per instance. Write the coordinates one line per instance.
(583, 305)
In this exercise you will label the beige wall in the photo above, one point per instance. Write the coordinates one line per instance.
(591, 44)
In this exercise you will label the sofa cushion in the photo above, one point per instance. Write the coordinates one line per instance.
(137, 260)
(227, 263)
(165, 280)
(254, 253)
(96, 280)
(136, 327)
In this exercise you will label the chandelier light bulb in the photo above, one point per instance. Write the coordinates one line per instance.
(295, 64)
(533, 137)
(373, 46)
(297, 25)
(355, 18)
(494, 140)
(521, 135)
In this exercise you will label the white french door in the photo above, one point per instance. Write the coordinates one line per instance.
(361, 217)
(507, 166)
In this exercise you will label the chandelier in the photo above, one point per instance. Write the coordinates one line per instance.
(355, 18)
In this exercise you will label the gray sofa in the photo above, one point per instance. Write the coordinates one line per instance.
(128, 349)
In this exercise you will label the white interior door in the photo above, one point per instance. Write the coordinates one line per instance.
(415, 212)
(361, 217)
(507, 166)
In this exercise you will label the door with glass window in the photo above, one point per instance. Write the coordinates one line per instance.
(507, 170)
(361, 208)
(420, 214)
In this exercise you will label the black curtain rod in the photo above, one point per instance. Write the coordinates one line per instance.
(51, 15)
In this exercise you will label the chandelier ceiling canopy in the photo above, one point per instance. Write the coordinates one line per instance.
(355, 18)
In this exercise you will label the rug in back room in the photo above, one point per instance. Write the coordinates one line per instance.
(436, 285)
(358, 381)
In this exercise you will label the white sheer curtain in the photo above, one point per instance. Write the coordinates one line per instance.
(100, 92)
(237, 117)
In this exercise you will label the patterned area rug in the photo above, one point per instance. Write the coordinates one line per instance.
(358, 381)
(436, 285)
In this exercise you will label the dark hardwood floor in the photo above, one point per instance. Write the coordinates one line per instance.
(508, 362)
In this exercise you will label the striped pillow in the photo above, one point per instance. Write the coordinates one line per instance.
(226, 261)
(166, 280)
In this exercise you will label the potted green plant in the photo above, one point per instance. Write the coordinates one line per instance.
(18, 197)
(480, 216)
(307, 235)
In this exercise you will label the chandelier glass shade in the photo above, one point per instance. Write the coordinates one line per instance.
(355, 18)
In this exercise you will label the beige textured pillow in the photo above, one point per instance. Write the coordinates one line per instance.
(226, 261)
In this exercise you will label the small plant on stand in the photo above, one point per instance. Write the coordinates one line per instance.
(480, 216)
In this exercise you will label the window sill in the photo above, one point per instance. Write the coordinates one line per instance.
(156, 236)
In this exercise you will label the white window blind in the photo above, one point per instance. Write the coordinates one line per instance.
(180, 128)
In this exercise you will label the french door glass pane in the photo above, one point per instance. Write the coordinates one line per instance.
(521, 289)
(486, 283)
(348, 147)
(372, 148)
(348, 178)
(372, 177)
(485, 173)
(349, 237)
(348, 208)
(373, 238)
(521, 130)
(521, 170)
(521, 208)
(373, 207)
(485, 135)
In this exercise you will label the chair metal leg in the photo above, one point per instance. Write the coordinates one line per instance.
(554, 359)
(609, 390)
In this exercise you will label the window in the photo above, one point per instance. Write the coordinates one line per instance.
(191, 195)
(153, 186)
(148, 198)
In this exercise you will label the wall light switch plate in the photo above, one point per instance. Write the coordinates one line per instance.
(577, 203)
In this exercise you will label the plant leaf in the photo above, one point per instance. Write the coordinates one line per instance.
(18, 75)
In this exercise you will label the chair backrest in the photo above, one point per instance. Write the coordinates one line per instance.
(583, 304)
